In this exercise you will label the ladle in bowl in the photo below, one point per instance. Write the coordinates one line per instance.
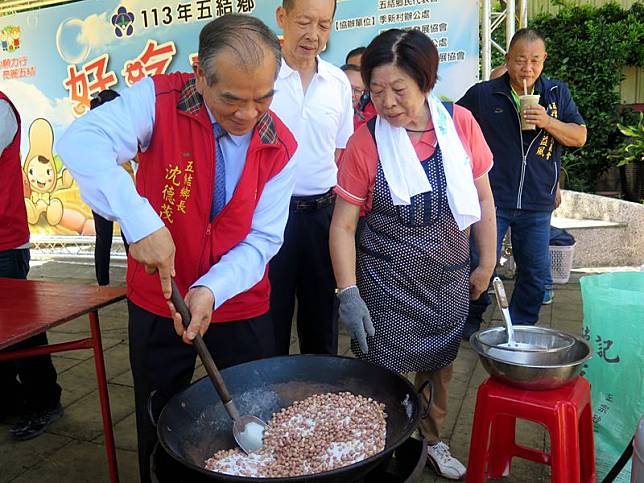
(502, 301)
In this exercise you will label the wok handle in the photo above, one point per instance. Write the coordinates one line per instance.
(431, 397)
(201, 348)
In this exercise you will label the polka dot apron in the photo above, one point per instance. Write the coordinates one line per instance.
(413, 274)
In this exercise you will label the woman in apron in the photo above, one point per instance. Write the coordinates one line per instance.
(419, 173)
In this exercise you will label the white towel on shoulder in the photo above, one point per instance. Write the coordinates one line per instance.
(406, 177)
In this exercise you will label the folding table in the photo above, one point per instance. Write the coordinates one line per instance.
(29, 307)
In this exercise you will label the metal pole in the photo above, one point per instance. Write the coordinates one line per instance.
(486, 36)
(104, 397)
(510, 22)
(523, 14)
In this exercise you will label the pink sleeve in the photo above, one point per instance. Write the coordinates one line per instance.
(472, 138)
(357, 170)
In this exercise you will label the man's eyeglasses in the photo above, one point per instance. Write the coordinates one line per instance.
(357, 91)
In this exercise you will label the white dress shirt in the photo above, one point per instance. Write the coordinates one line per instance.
(320, 119)
(115, 130)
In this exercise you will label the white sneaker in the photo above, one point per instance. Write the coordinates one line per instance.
(444, 463)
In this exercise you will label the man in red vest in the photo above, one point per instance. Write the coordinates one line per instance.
(28, 386)
(210, 205)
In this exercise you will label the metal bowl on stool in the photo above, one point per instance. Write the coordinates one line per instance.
(527, 339)
(530, 369)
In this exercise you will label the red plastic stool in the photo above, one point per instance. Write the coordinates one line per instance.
(565, 412)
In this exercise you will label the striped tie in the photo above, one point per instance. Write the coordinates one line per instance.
(219, 196)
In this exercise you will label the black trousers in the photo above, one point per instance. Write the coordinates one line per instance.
(26, 384)
(162, 365)
(104, 231)
(302, 269)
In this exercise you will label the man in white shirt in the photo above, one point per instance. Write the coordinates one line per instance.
(313, 98)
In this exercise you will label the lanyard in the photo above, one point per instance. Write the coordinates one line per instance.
(515, 97)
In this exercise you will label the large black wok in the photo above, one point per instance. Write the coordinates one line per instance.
(194, 424)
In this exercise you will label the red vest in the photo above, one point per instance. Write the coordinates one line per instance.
(176, 175)
(363, 116)
(14, 230)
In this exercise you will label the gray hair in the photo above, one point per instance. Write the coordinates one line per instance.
(248, 37)
(529, 35)
(289, 4)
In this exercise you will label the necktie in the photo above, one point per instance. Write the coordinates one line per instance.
(219, 196)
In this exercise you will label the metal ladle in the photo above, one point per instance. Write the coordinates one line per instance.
(247, 430)
(502, 300)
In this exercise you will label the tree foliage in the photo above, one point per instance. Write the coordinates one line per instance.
(588, 47)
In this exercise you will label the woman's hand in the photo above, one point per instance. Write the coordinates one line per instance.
(342, 242)
(479, 281)
(485, 237)
(354, 314)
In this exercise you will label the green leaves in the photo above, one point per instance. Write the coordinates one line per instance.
(632, 149)
(588, 47)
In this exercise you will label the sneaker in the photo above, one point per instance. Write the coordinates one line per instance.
(35, 423)
(444, 464)
(548, 295)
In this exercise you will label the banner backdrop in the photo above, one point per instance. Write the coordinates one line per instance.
(53, 60)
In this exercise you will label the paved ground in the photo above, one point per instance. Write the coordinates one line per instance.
(72, 450)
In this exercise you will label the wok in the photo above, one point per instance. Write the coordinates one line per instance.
(407, 466)
(194, 424)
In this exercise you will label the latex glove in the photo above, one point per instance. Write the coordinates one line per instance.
(354, 314)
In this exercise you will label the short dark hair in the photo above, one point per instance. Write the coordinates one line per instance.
(102, 97)
(412, 51)
(289, 4)
(356, 51)
(350, 67)
(247, 36)
(531, 35)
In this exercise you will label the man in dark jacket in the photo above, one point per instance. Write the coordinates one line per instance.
(525, 176)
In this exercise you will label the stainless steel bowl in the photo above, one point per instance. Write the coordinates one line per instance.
(531, 370)
(528, 338)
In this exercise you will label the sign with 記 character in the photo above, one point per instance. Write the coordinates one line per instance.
(613, 326)
(54, 60)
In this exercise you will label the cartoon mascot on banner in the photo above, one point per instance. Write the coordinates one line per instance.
(44, 181)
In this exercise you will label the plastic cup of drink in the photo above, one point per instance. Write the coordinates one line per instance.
(525, 101)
